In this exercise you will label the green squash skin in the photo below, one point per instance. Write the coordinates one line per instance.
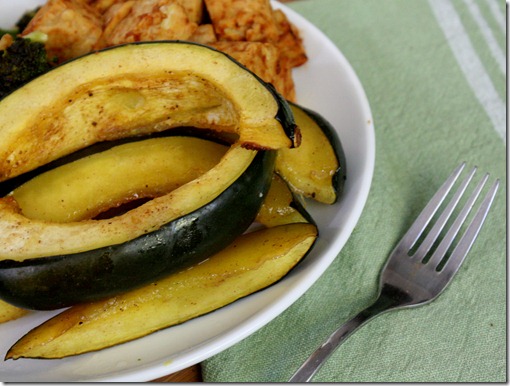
(60, 281)
(284, 114)
(340, 175)
(297, 204)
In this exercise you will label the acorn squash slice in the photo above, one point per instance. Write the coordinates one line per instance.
(252, 262)
(48, 265)
(9, 312)
(136, 89)
(317, 168)
(100, 182)
(281, 206)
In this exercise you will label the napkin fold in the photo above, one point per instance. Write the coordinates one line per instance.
(435, 76)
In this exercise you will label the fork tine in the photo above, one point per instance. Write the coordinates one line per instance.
(447, 241)
(421, 222)
(462, 249)
(433, 234)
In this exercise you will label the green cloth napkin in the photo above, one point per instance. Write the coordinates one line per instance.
(435, 76)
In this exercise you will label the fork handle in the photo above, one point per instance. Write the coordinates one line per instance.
(319, 356)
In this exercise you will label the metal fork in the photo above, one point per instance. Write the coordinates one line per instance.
(415, 275)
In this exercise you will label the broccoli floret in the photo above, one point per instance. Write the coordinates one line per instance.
(22, 61)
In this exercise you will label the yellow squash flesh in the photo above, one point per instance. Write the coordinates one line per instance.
(9, 312)
(277, 208)
(309, 169)
(84, 188)
(253, 262)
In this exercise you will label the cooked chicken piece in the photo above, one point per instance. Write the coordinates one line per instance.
(204, 34)
(252, 32)
(5, 41)
(243, 20)
(142, 20)
(194, 9)
(115, 15)
(264, 60)
(255, 20)
(73, 27)
(103, 5)
(289, 41)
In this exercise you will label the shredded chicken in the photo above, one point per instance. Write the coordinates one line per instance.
(135, 20)
(251, 31)
(73, 27)
(5, 42)
(264, 60)
(243, 20)
(289, 42)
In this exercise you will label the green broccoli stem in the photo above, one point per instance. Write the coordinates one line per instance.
(37, 37)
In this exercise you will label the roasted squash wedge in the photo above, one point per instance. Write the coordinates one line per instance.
(9, 312)
(254, 261)
(101, 257)
(89, 186)
(281, 206)
(317, 168)
(137, 89)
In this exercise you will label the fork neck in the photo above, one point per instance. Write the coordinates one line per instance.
(389, 298)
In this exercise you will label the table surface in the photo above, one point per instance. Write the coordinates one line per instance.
(190, 374)
(193, 373)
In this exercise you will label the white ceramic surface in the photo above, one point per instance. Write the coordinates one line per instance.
(327, 84)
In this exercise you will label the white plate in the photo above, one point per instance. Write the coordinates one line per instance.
(326, 84)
